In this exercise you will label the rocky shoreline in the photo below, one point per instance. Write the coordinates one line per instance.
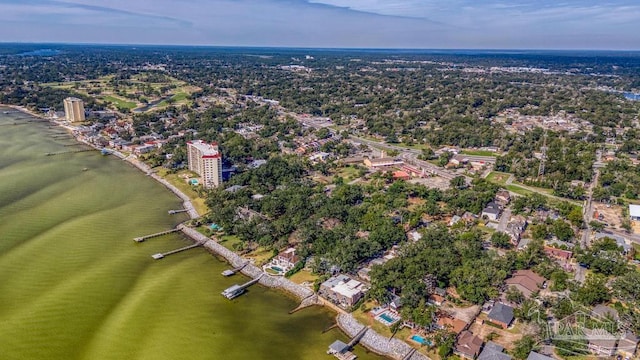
(373, 341)
(393, 348)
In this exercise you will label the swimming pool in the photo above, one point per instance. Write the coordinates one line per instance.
(387, 318)
(275, 268)
(419, 339)
(193, 181)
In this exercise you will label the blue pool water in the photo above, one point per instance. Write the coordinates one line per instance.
(419, 339)
(193, 181)
(276, 268)
(387, 318)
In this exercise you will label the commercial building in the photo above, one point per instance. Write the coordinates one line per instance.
(206, 161)
(74, 109)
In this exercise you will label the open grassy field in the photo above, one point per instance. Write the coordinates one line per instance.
(478, 152)
(497, 177)
(126, 94)
(179, 182)
(119, 102)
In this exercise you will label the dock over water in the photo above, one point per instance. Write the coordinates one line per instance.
(237, 290)
(234, 270)
(143, 238)
(163, 255)
(342, 351)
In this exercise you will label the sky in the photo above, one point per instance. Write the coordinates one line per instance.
(439, 24)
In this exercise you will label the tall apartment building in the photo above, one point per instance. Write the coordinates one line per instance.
(74, 109)
(206, 161)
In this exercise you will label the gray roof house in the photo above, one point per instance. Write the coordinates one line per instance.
(493, 351)
(502, 315)
(536, 356)
(492, 211)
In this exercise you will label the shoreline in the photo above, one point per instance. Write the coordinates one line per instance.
(372, 341)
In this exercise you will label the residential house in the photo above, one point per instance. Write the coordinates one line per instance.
(628, 344)
(283, 262)
(526, 281)
(493, 351)
(492, 211)
(558, 254)
(503, 197)
(634, 212)
(515, 228)
(396, 303)
(342, 290)
(600, 342)
(501, 315)
(605, 312)
(620, 241)
(468, 345)
(438, 297)
(452, 324)
(537, 356)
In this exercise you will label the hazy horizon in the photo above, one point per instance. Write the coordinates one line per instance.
(368, 24)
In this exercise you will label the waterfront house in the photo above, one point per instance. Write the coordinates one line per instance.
(283, 262)
(342, 290)
(501, 315)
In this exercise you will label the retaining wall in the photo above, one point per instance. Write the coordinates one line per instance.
(394, 348)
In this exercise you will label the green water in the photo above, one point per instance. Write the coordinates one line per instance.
(73, 284)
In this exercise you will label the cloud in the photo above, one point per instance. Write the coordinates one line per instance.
(329, 23)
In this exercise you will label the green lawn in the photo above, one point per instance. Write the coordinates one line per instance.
(119, 102)
(497, 177)
(479, 153)
(181, 184)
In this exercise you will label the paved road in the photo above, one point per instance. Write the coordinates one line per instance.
(504, 220)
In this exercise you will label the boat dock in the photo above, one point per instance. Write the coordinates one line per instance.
(172, 212)
(143, 238)
(237, 290)
(234, 270)
(163, 255)
(342, 351)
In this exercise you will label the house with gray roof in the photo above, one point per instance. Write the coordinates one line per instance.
(502, 315)
(537, 356)
(493, 351)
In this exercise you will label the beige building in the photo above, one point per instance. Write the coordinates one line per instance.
(74, 109)
(206, 161)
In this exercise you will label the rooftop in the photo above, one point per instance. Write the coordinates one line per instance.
(634, 210)
(502, 313)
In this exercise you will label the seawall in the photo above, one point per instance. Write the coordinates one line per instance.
(249, 270)
(394, 348)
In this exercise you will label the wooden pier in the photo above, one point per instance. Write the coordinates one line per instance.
(172, 212)
(409, 354)
(234, 270)
(143, 238)
(163, 255)
(342, 351)
(237, 290)
(68, 152)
